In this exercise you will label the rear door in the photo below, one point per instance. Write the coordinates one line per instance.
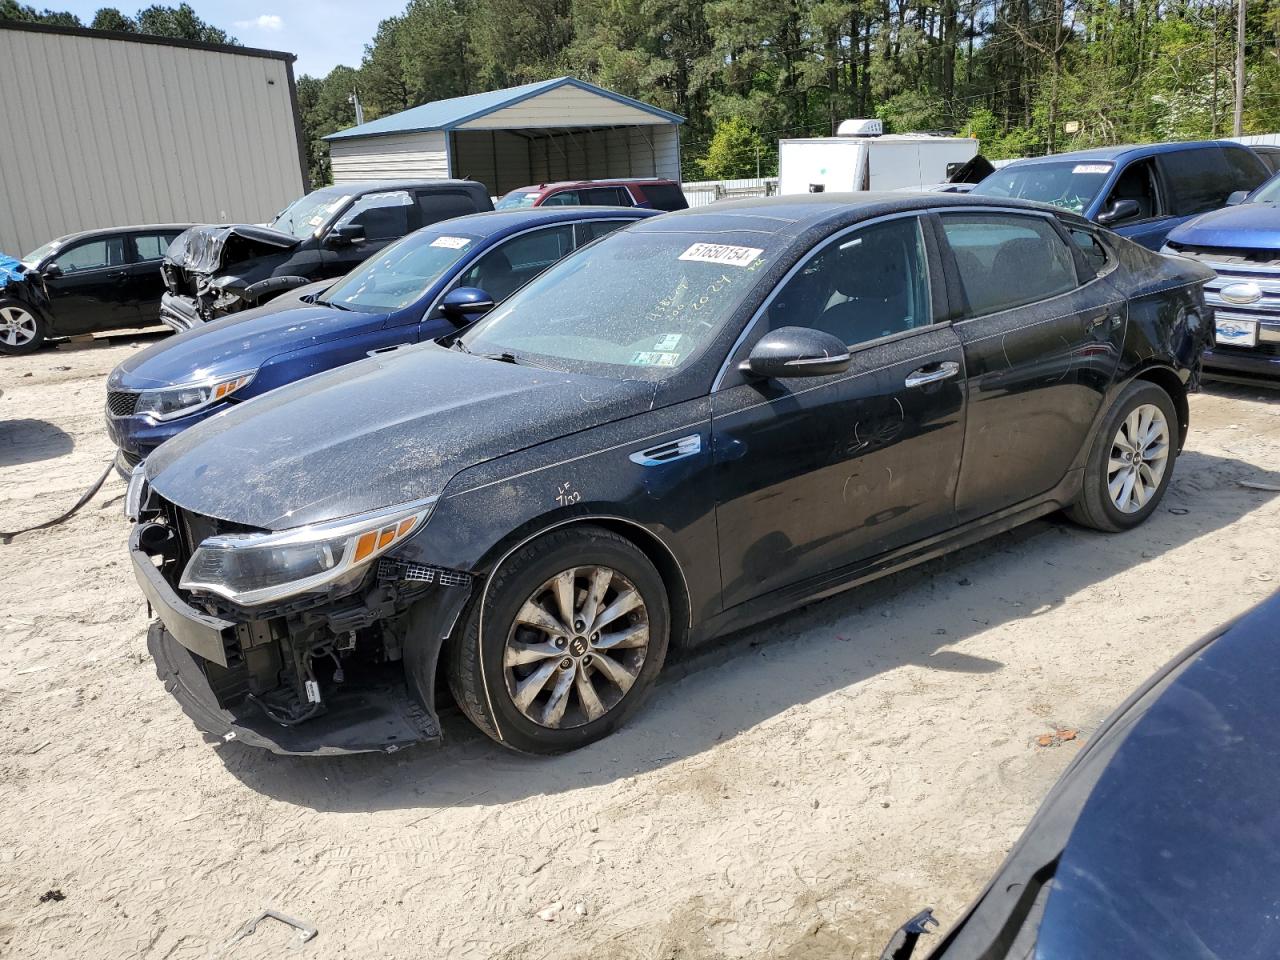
(145, 283)
(437, 205)
(1199, 179)
(813, 474)
(1041, 331)
(92, 292)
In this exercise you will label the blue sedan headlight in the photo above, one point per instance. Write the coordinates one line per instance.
(167, 403)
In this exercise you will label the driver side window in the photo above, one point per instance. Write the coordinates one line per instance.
(92, 255)
(510, 265)
(384, 216)
(864, 285)
(1137, 182)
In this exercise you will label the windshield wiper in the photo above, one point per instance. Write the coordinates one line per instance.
(332, 303)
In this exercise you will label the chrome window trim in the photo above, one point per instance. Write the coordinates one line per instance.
(750, 325)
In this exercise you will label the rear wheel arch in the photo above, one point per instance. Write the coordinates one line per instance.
(1167, 380)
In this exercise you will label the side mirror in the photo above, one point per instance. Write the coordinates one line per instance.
(346, 235)
(1119, 210)
(464, 304)
(796, 352)
(1237, 197)
(52, 270)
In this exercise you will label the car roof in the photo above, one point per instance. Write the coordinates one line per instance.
(106, 231)
(1124, 152)
(794, 213)
(497, 221)
(378, 186)
(611, 182)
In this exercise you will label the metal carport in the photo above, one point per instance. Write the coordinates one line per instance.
(561, 129)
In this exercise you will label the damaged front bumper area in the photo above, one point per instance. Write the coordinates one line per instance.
(319, 675)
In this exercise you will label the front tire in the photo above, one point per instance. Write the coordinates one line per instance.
(21, 330)
(1131, 462)
(563, 645)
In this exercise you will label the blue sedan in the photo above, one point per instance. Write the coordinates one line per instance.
(424, 287)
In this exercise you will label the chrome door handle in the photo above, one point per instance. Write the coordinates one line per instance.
(932, 373)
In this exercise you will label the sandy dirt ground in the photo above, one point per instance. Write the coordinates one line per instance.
(795, 792)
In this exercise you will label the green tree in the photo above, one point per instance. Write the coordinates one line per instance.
(109, 18)
(736, 151)
(24, 13)
(180, 23)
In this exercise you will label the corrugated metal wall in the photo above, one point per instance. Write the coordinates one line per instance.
(102, 132)
(392, 157)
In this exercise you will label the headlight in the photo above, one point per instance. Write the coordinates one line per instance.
(254, 568)
(171, 402)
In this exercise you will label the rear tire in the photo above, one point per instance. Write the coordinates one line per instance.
(21, 329)
(564, 643)
(1131, 461)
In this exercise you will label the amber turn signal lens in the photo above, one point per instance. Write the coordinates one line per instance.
(364, 546)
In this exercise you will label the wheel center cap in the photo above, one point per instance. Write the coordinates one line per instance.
(578, 646)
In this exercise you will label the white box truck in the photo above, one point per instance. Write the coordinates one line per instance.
(861, 158)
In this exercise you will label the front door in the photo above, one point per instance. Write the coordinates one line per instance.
(813, 474)
(91, 291)
(1041, 334)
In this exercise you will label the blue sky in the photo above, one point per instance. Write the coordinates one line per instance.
(323, 33)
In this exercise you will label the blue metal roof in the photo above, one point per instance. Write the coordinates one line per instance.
(449, 114)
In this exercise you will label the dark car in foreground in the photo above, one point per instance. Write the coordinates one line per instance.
(1159, 840)
(1241, 244)
(705, 419)
(424, 286)
(1140, 192)
(217, 269)
(653, 193)
(85, 282)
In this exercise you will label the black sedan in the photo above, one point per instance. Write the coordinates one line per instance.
(702, 420)
(1159, 840)
(85, 283)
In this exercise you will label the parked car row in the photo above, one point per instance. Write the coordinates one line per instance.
(700, 420)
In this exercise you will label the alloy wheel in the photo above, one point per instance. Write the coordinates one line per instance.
(1139, 456)
(576, 647)
(17, 327)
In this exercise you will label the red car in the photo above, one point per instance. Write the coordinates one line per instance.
(652, 192)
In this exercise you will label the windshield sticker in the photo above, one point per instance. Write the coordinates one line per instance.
(655, 359)
(315, 221)
(450, 243)
(720, 253)
(1091, 168)
(667, 342)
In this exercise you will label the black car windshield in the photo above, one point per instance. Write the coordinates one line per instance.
(307, 214)
(516, 200)
(1070, 185)
(401, 273)
(636, 304)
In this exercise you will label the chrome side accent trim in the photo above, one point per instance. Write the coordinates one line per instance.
(669, 452)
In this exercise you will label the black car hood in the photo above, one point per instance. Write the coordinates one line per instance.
(1159, 840)
(375, 433)
(200, 249)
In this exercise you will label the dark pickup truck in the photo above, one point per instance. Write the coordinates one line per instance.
(218, 269)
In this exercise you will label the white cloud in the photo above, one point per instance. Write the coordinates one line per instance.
(268, 21)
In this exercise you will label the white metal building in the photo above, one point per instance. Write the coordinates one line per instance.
(109, 129)
(562, 129)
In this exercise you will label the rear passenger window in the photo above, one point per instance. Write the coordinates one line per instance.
(151, 246)
(1095, 254)
(445, 205)
(1006, 260)
(1247, 168)
(607, 197)
(1199, 180)
(593, 229)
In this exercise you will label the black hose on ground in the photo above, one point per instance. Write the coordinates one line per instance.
(6, 536)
